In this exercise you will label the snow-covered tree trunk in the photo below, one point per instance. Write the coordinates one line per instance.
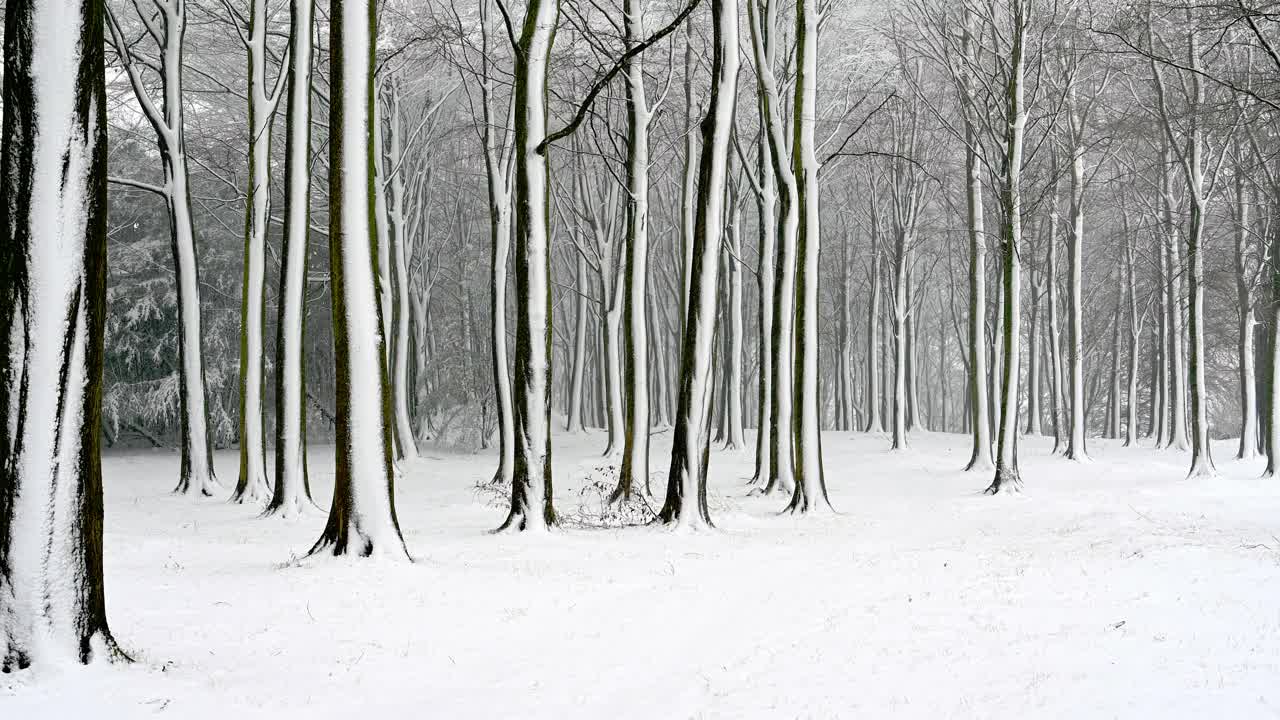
(1077, 423)
(421, 299)
(1244, 301)
(733, 437)
(1161, 429)
(53, 248)
(635, 450)
(399, 258)
(1033, 354)
(362, 519)
(1177, 433)
(980, 414)
(292, 493)
(531, 494)
(810, 485)
(1135, 328)
(1054, 326)
(499, 164)
(686, 499)
(781, 460)
(612, 300)
(899, 416)
(575, 421)
(689, 177)
(844, 352)
(875, 423)
(196, 476)
(1113, 413)
(1007, 475)
(251, 484)
(1272, 398)
(766, 200)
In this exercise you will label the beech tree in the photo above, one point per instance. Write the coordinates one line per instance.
(362, 519)
(167, 29)
(53, 246)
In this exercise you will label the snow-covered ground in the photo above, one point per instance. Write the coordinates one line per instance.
(1112, 589)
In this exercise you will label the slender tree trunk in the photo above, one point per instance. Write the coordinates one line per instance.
(980, 459)
(531, 492)
(1007, 475)
(635, 451)
(1131, 394)
(292, 492)
(810, 485)
(575, 420)
(1244, 299)
(734, 439)
(875, 424)
(1077, 422)
(399, 285)
(251, 485)
(686, 501)
(766, 273)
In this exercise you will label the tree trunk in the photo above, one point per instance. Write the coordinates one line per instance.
(292, 492)
(251, 485)
(686, 501)
(362, 519)
(532, 507)
(635, 450)
(53, 246)
(810, 485)
(1007, 476)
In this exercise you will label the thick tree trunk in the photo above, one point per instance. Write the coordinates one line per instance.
(362, 519)
(53, 248)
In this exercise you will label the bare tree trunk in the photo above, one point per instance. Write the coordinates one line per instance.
(53, 248)
(1007, 476)
(810, 484)
(686, 501)
(531, 492)
(635, 451)
(362, 519)
(196, 476)
(292, 491)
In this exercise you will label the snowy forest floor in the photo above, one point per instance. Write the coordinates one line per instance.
(1109, 589)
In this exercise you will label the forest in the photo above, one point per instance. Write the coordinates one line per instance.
(764, 317)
